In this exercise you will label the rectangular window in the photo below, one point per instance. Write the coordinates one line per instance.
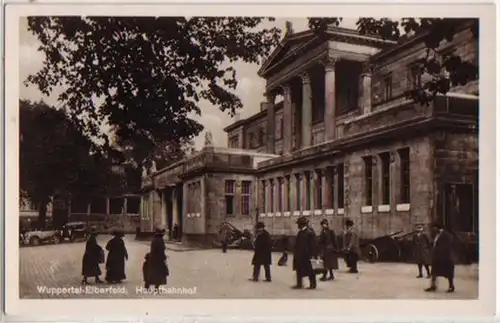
(263, 196)
(280, 194)
(251, 143)
(229, 195)
(387, 87)
(385, 159)
(288, 188)
(331, 180)
(271, 185)
(340, 186)
(246, 189)
(414, 77)
(404, 157)
(282, 128)
(319, 190)
(307, 179)
(368, 163)
(298, 192)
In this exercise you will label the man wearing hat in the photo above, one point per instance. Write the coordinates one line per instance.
(328, 246)
(262, 252)
(443, 264)
(351, 246)
(422, 251)
(304, 251)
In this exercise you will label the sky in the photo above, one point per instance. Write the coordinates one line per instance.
(250, 86)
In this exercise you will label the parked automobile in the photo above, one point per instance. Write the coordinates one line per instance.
(74, 231)
(38, 237)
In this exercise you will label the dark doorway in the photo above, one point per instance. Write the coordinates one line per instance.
(179, 196)
(459, 207)
(169, 207)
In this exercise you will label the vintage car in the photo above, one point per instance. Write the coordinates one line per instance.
(38, 237)
(74, 231)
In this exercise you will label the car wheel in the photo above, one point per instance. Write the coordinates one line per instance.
(56, 239)
(35, 241)
(371, 253)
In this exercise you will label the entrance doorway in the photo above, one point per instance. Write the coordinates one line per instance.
(460, 207)
(179, 197)
(168, 207)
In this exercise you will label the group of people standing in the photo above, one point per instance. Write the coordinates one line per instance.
(435, 256)
(307, 250)
(155, 269)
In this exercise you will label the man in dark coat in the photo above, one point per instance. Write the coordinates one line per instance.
(304, 251)
(117, 255)
(422, 251)
(93, 256)
(328, 248)
(443, 264)
(351, 247)
(155, 268)
(262, 252)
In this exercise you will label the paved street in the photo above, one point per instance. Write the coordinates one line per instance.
(217, 275)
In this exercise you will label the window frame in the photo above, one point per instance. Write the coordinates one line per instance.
(230, 196)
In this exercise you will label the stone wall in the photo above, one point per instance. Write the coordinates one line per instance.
(398, 64)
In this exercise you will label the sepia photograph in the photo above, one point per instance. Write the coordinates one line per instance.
(248, 157)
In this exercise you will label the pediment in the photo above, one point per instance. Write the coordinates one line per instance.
(289, 45)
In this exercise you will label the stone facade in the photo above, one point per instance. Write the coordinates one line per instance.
(343, 142)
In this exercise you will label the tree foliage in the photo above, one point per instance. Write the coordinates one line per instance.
(144, 76)
(439, 72)
(149, 72)
(56, 158)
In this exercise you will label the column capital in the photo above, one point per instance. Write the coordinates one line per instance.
(270, 97)
(329, 62)
(367, 69)
(305, 78)
(287, 90)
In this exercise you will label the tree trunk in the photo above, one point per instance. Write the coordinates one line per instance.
(42, 214)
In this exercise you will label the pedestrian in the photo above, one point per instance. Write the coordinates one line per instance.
(117, 255)
(442, 264)
(328, 247)
(92, 257)
(224, 237)
(284, 256)
(304, 252)
(155, 268)
(262, 252)
(175, 232)
(422, 251)
(351, 247)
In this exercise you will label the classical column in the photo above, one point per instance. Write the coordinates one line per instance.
(314, 189)
(330, 99)
(271, 123)
(125, 205)
(108, 211)
(287, 119)
(327, 188)
(286, 194)
(306, 130)
(306, 205)
(366, 82)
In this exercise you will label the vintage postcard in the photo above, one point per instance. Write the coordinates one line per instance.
(171, 159)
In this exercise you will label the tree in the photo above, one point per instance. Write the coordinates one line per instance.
(442, 73)
(55, 158)
(149, 72)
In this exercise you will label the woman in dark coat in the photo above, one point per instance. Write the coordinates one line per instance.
(93, 256)
(117, 254)
(443, 264)
(262, 252)
(155, 269)
(422, 251)
(328, 248)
